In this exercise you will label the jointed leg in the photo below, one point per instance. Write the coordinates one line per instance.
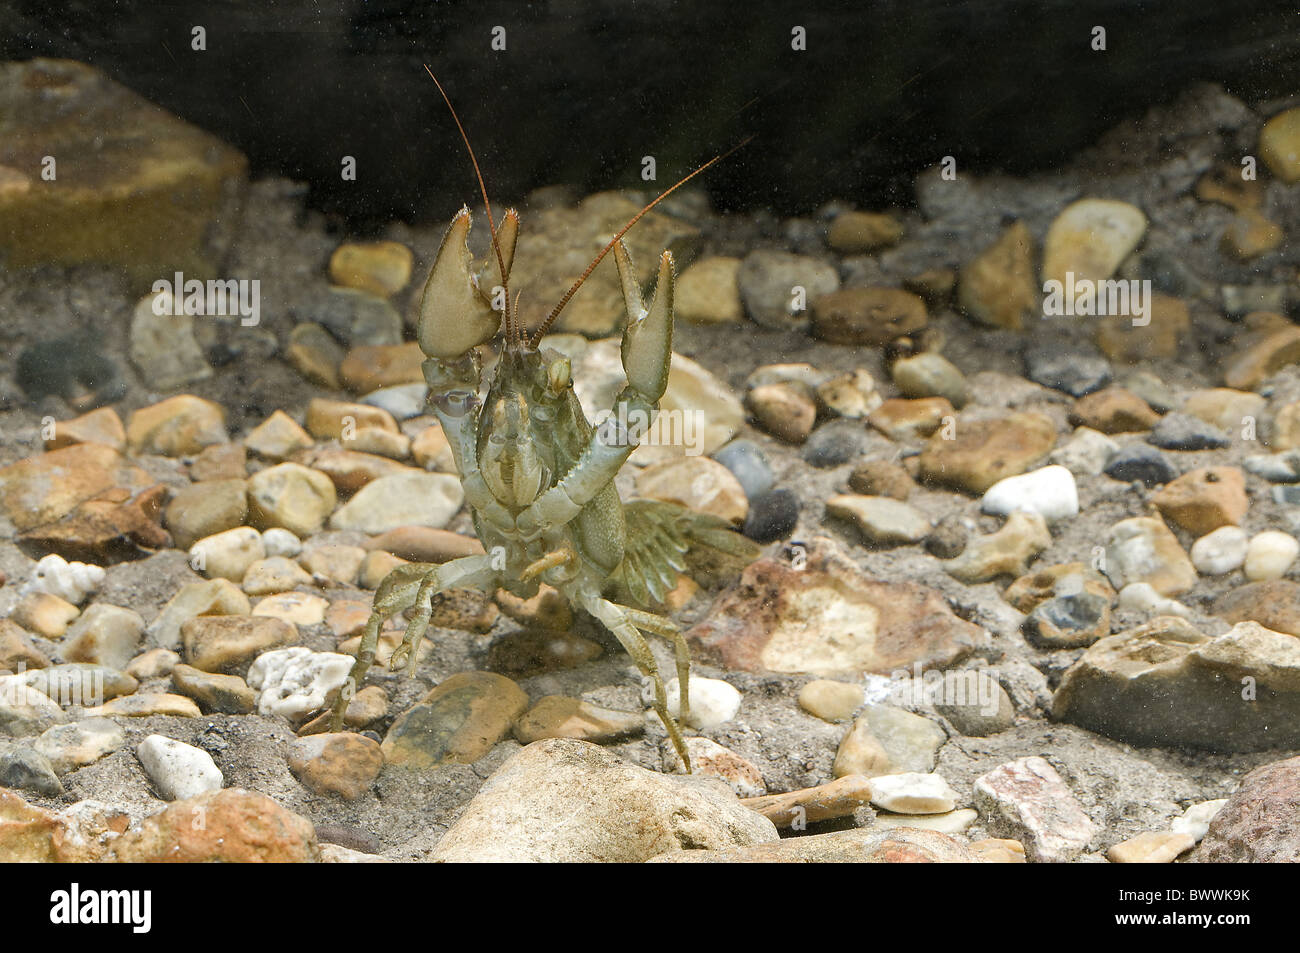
(618, 620)
(403, 588)
(662, 626)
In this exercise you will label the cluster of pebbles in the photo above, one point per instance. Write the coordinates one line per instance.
(1028, 589)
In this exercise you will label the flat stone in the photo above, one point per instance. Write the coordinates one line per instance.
(902, 419)
(1065, 363)
(1196, 819)
(881, 478)
(1225, 408)
(986, 451)
(278, 437)
(881, 520)
(79, 743)
(777, 619)
(313, 353)
(164, 349)
(425, 544)
(458, 722)
(369, 367)
(613, 811)
(274, 574)
(1126, 342)
(224, 694)
(226, 642)
(405, 499)
(556, 716)
(871, 316)
(835, 443)
(913, 793)
(858, 233)
(1203, 500)
(1152, 847)
(1026, 799)
(44, 613)
(145, 704)
(338, 420)
(1168, 684)
(296, 608)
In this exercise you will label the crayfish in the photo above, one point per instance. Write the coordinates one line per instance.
(538, 478)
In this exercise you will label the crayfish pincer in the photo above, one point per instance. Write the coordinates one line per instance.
(538, 478)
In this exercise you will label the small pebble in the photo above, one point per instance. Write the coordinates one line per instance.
(1140, 463)
(713, 702)
(772, 516)
(1270, 554)
(913, 793)
(1220, 552)
(1050, 492)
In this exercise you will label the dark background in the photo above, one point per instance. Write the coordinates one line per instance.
(587, 88)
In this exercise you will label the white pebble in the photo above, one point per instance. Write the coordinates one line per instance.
(70, 581)
(1220, 552)
(913, 793)
(1196, 819)
(178, 770)
(281, 542)
(296, 680)
(713, 702)
(1050, 492)
(1142, 597)
(1270, 554)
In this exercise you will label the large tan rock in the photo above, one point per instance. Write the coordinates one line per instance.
(569, 801)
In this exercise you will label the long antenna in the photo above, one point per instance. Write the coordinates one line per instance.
(511, 334)
(537, 335)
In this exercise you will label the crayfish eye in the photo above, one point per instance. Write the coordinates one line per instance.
(559, 376)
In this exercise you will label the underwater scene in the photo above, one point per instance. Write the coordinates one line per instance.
(627, 432)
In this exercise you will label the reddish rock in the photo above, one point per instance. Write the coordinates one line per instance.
(238, 827)
(113, 526)
(1258, 824)
(1274, 604)
(828, 617)
(336, 763)
(44, 488)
